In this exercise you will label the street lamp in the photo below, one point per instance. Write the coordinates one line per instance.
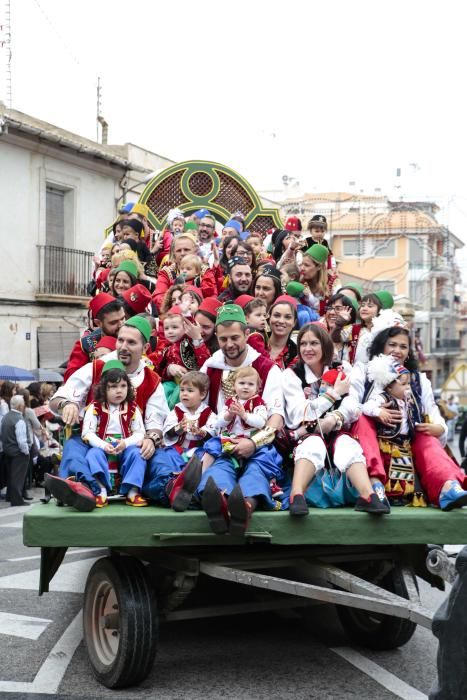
(146, 179)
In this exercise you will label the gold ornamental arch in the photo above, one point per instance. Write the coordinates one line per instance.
(199, 184)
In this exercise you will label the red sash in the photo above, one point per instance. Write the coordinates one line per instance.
(356, 328)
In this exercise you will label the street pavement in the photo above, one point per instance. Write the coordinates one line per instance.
(257, 656)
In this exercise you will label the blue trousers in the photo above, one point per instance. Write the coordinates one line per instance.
(260, 468)
(74, 463)
(164, 464)
(131, 468)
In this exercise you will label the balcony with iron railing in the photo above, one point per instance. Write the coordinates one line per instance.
(64, 274)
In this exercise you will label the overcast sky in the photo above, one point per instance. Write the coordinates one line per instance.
(324, 92)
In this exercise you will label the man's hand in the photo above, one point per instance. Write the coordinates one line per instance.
(243, 447)
(147, 449)
(430, 429)
(70, 414)
(389, 416)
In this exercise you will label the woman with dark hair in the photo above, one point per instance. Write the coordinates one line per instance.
(414, 425)
(268, 285)
(229, 248)
(315, 407)
(282, 321)
(245, 251)
(126, 276)
(340, 311)
(206, 319)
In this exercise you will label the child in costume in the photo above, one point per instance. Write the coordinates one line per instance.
(113, 426)
(185, 349)
(256, 315)
(176, 468)
(245, 413)
(392, 390)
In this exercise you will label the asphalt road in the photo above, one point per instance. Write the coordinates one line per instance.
(256, 656)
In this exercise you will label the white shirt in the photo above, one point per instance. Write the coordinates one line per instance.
(76, 389)
(89, 430)
(272, 394)
(299, 409)
(256, 420)
(172, 420)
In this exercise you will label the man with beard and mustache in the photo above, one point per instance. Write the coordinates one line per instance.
(241, 280)
(71, 399)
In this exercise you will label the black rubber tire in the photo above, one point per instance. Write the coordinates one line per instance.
(376, 631)
(120, 587)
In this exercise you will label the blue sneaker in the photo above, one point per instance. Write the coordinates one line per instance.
(455, 497)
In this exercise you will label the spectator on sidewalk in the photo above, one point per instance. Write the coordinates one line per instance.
(16, 448)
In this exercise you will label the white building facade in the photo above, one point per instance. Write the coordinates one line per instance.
(58, 193)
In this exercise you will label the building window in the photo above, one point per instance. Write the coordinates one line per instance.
(419, 293)
(352, 246)
(59, 216)
(55, 217)
(383, 248)
(388, 285)
(416, 252)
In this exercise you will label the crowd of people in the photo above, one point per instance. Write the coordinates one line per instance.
(230, 371)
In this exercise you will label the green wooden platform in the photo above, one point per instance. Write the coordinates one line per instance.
(118, 525)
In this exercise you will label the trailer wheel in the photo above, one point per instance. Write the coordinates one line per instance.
(120, 621)
(374, 630)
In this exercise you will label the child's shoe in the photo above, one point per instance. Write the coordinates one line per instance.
(276, 491)
(71, 493)
(136, 500)
(373, 505)
(101, 501)
(455, 497)
(298, 506)
(214, 504)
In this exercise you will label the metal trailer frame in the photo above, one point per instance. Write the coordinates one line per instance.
(156, 583)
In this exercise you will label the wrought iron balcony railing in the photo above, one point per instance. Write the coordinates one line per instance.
(64, 271)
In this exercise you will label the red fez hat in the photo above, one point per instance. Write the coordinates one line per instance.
(293, 223)
(107, 341)
(210, 305)
(194, 290)
(285, 299)
(137, 298)
(243, 300)
(331, 375)
(175, 311)
(98, 302)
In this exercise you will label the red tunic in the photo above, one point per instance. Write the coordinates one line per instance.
(181, 353)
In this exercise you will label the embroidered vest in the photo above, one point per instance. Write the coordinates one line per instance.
(125, 415)
(143, 392)
(201, 421)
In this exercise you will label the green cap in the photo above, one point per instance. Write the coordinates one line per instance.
(230, 312)
(190, 226)
(142, 324)
(295, 289)
(128, 266)
(353, 285)
(318, 252)
(113, 364)
(353, 302)
(386, 299)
